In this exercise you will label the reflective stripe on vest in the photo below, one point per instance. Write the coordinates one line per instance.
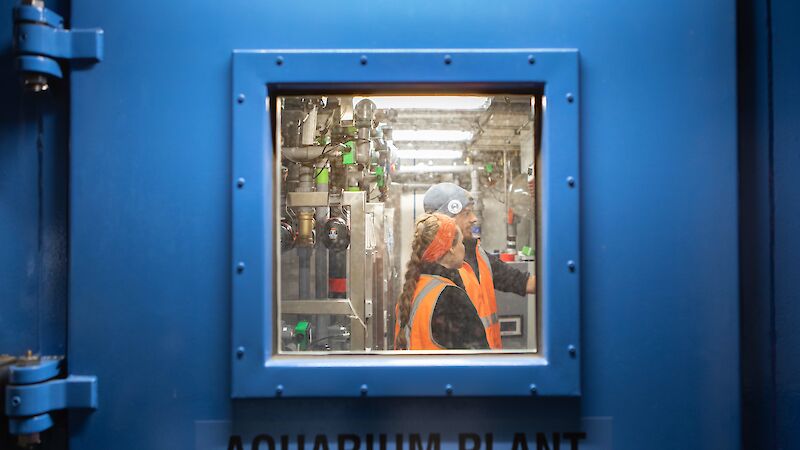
(433, 282)
(482, 255)
(489, 320)
(481, 293)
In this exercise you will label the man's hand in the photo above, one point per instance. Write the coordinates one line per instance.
(530, 288)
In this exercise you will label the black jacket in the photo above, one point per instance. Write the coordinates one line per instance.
(455, 323)
(506, 278)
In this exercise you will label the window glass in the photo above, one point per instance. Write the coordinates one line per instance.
(406, 223)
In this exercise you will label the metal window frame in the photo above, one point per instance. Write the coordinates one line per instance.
(258, 372)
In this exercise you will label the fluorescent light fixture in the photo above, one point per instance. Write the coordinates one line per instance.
(448, 102)
(429, 154)
(431, 135)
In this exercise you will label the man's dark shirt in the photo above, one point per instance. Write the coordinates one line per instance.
(506, 278)
(455, 323)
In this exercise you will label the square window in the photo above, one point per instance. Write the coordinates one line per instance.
(380, 134)
(365, 181)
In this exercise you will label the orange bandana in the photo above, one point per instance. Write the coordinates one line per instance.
(443, 240)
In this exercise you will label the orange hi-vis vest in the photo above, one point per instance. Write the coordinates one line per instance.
(418, 331)
(482, 295)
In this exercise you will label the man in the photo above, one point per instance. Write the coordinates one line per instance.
(481, 273)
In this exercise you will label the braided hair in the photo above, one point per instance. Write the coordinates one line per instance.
(426, 227)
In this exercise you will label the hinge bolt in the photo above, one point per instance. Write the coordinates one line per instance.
(35, 83)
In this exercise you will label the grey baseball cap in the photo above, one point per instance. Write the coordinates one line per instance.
(446, 198)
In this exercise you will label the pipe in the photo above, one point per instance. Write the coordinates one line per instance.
(321, 253)
(303, 154)
(303, 282)
(323, 322)
(511, 227)
(364, 115)
(337, 272)
(305, 215)
(310, 127)
(476, 197)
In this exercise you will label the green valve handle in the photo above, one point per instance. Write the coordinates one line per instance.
(350, 156)
(381, 178)
(322, 176)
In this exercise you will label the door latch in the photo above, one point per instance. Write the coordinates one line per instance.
(41, 41)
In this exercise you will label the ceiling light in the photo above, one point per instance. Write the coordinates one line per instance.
(431, 135)
(429, 154)
(448, 102)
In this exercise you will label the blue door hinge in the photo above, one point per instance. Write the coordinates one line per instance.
(40, 41)
(33, 391)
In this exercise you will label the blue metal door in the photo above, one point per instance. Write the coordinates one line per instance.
(150, 226)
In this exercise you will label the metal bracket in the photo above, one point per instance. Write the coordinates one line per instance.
(33, 392)
(40, 41)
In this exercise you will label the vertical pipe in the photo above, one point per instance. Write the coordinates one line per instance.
(511, 227)
(321, 253)
(304, 284)
(476, 196)
(321, 256)
(305, 238)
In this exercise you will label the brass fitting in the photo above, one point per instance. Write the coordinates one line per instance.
(305, 233)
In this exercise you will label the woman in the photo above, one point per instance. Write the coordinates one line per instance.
(433, 311)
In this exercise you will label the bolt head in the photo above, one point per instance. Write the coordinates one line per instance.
(363, 60)
(572, 350)
(570, 97)
(449, 389)
(571, 265)
(279, 390)
(240, 267)
(570, 181)
(16, 401)
(448, 59)
(240, 183)
(531, 60)
(532, 388)
(364, 389)
(240, 352)
(279, 61)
